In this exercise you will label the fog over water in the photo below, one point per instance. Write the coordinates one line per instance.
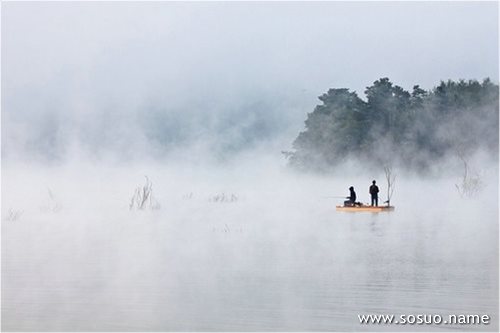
(278, 258)
(200, 100)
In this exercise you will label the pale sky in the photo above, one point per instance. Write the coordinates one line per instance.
(107, 60)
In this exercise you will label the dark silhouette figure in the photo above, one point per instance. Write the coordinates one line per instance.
(352, 198)
(374, 193)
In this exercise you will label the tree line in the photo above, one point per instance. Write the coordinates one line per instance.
(414, 128)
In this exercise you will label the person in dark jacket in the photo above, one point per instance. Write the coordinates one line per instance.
(352, 198)
(374, 193)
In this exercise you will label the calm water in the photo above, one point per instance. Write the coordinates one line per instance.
(270, 262)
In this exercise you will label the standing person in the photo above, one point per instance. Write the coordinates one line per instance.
(374, 193)
(352, 198)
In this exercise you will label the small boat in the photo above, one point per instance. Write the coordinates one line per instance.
(365, 208)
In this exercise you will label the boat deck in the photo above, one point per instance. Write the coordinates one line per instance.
(373, 209)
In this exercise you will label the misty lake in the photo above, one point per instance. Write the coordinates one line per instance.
(176, 165)
(277, 258)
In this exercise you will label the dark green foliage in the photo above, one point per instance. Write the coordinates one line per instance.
(414, 128)
(332, 130)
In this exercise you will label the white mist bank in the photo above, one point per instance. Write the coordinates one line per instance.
(90, 188)
(279, 257)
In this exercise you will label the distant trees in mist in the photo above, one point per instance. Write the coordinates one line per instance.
(413, 128)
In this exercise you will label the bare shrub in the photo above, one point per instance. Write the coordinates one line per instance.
(390, 177)
(14, 215)
(143, 197)
(227, 229)
(187, 196)
(470, 182)
(51, 205)
(222, 197)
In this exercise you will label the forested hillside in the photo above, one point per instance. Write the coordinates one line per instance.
(413, 128)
